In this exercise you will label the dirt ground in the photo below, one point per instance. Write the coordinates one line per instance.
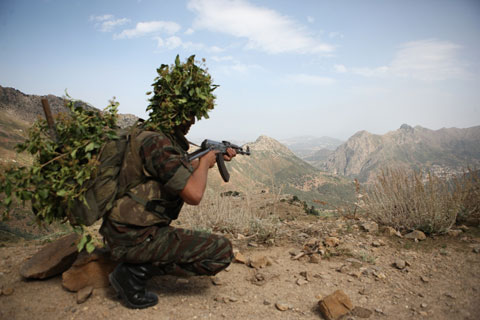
(392, 277)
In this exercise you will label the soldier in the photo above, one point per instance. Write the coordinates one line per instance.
(137, 230)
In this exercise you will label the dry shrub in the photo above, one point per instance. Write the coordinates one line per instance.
(234, 215)
(415, 200)
(467, 190)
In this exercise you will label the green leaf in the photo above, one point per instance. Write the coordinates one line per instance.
(82, 243)
(90, 147)
(62, 193)
(90, 246)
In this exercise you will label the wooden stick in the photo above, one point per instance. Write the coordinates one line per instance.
(49, 117)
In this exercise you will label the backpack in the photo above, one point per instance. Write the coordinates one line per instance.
(108, 183)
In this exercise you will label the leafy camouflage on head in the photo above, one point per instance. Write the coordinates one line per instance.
(181, 92)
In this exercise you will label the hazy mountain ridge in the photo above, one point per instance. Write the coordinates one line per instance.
(305, 147)
(275, 168)
(27, 107)
(447, 150)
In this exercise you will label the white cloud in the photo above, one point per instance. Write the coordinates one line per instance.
(428, 60)
(310, 19)
(174, 42)
(107, 22)
(149, 28)
(310, 80)
(189, 31)
(265, 29)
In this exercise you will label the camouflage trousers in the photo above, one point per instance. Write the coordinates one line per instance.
(174, 251)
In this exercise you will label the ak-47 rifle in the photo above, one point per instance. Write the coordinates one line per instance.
(221, 147)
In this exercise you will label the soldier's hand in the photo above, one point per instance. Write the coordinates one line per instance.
(230, 154)
(210, 158)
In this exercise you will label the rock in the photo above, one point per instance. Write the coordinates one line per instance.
(389, 231)
(216, 281)
(454, 233)
(52, 259)
(315, 258)
(240, 258)
(476, 248)
(282, 306)
(400, 264)
(83, 294)
(335, 305)
(89, 270)
(8, 291)
(370, 226)
(362, 312)
(463, 227)
(266, 302)
(306, 275)
(416, 235)
(423, 305)
(377, 243)
(259, 262)
(424, 279)
(301, 282)
(331, 241)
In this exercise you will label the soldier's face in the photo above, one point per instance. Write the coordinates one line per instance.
(186, 127)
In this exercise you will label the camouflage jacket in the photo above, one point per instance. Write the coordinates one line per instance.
(161, 162)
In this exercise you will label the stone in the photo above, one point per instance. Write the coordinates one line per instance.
(216, 281)
(8, 291)
(259, 262)
(362, 312)
(331, 241)
(89, 270)
(335, 305)
(370, 226)
(282, 306)
(389, 231)
(52, 259)
(424, 279)
(240, 258)
(454, 233)
(315, 258)
(83, 294)
(400, 264)
(301, 282)
(416, 235)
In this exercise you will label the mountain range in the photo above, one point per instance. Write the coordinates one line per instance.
(446, 151)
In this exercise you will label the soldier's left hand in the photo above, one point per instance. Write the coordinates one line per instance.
(230, 154)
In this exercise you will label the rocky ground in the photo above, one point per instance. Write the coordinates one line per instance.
(384, 276)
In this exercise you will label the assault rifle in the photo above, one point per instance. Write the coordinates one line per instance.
(221, 147)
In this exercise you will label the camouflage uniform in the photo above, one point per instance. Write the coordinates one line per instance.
(137, 229)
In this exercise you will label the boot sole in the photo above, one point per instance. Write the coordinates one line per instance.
(116, 286)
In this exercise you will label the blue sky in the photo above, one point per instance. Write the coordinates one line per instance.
(285, 68)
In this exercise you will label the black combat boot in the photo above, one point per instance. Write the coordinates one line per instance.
(129, 281)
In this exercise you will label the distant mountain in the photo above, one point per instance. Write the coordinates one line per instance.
(445, 151)
(275, 168)
(28, 108)
(306, 146)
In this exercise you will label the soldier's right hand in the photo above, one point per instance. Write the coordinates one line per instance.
(210, 158)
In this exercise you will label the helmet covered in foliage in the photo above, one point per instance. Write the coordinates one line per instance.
(181, 92)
